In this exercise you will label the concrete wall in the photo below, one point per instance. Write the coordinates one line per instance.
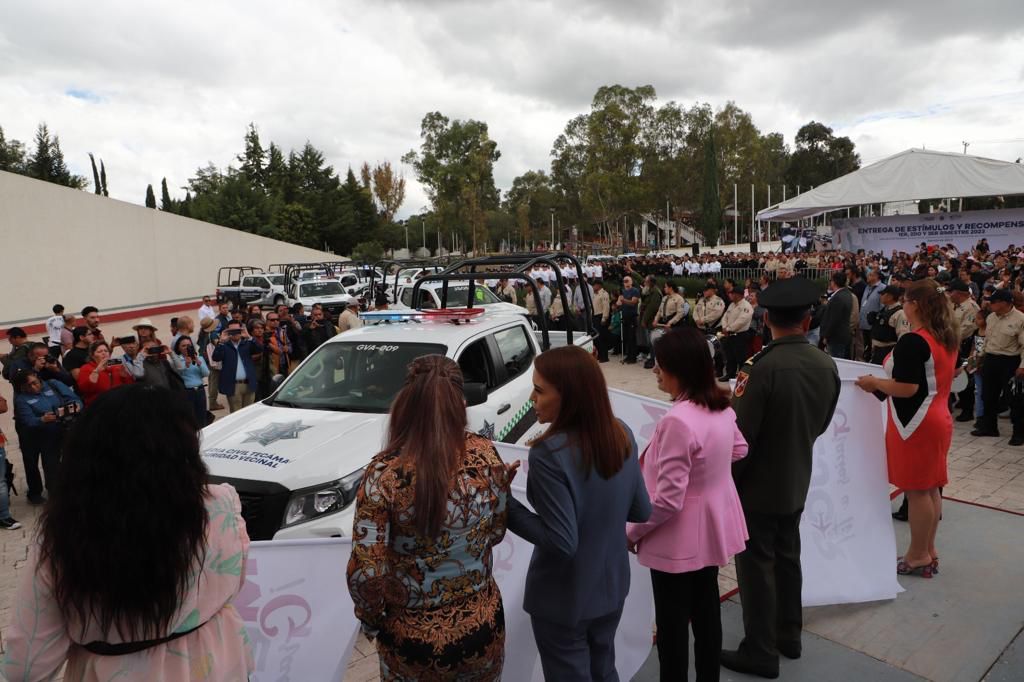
(59, 245)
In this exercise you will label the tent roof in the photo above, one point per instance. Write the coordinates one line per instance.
(907, 176)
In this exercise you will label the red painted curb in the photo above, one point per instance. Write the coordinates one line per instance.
(730, 594)
(40, 328)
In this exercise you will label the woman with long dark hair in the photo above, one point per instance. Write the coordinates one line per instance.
(920, 426)
(138, 558)
(585, 484)
(697, 523)
(430, 507)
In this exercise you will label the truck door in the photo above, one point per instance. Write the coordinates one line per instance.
(253, 289)
(502, 362)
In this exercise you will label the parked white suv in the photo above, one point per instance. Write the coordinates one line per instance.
(296, 458)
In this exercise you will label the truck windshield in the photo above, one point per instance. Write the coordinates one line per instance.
(352, 377)
(457, 295)
(314, 289)
(276, 280)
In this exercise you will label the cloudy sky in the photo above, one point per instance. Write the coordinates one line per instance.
(157, 90)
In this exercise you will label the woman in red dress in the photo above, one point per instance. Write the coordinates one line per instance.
(920, 427)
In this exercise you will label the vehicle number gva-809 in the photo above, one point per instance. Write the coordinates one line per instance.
(376, 347)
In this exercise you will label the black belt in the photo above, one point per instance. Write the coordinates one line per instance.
(125, 648)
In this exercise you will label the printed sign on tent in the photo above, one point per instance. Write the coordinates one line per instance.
(906, 232)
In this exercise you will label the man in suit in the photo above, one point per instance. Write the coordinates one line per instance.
(835, 321)
(238, 375)
(784, 399)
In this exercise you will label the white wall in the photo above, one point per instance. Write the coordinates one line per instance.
(60, 245)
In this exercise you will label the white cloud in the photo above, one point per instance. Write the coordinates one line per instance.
(158, 90)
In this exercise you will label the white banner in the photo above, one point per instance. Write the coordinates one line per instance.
(297, 610)
(906, 232)
(848, 546)
(300, 617)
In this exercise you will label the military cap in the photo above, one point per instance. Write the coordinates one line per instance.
(796, 292)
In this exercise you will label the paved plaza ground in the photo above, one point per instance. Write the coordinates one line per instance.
(963, 625)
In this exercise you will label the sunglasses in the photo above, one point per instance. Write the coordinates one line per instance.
(272, 319)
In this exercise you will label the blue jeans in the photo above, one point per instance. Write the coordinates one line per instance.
(813, 336)
(5, 500)
(979, 404)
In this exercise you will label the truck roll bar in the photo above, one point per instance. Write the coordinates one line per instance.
(471, 278)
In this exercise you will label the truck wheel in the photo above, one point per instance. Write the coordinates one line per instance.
(278, 300)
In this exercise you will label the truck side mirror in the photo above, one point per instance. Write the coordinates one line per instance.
(475, 393)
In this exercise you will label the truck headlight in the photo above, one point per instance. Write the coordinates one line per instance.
(306, 505)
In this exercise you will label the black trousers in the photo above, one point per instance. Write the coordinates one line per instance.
(602, 341)
(865, 335)
(770, 581)
(581, 653)
(682, 599)
(878, 353)
(629, 338)
(41, 442)
(736, 348)
(996, 372)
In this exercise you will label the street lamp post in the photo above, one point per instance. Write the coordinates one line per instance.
(552, 247)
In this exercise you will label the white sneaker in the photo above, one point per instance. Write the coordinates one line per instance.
(9, 524)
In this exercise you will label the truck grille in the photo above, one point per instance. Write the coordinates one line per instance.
(263, 505)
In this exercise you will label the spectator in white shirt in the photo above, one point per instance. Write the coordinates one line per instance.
(54, 326)
(206, 310)
(67, 337)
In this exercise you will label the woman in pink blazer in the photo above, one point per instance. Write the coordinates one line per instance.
(697, 523)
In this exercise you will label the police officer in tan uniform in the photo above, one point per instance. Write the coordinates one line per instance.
(709, 310)
(602, 317)
(1004, 344)
(736, 332)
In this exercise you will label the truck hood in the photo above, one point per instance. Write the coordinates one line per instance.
(292, 447)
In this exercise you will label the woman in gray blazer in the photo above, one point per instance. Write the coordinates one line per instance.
(584, 482)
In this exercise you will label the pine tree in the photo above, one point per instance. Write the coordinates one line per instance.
(103, 178)
(166, 203)
(47, 162)
(95, 175)
(150, 197)
(12, 155)
(711, 214)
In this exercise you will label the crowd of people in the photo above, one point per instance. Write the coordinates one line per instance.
(725, 476)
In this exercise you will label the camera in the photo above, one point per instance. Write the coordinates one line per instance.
(125, 339)
(66, 413)
(114, 361)
(155, 350)
(190, 351)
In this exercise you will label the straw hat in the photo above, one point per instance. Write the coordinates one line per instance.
(208, 323)
(144, 322)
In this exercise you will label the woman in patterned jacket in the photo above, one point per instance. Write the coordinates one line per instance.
(430, 507)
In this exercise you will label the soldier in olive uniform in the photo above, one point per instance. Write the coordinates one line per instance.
(784, 399)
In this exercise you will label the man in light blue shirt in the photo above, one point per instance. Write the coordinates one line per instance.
(870, 302)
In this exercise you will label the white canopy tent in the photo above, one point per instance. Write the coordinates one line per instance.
(911, 175)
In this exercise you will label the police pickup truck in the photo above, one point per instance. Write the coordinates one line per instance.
(296, 458)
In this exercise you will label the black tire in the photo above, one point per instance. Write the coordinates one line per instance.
(278, 300)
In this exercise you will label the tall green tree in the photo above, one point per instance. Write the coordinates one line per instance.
(12, 154)
(455, 164)
(166, 203)
(150, 197)
(47, 161)
(819, 156)
(711, 209)
(254, 159)
(95, 175)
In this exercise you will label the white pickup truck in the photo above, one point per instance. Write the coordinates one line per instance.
(297, 457)
(430, 297)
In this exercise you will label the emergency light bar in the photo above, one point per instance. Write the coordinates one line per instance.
(453, 315)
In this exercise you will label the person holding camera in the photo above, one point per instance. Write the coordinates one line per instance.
(38, 359)
(101, 373)
(317, 330)
(192, 369)
(40, 407)
(153, 364)
(238, 376)
(79, 353)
